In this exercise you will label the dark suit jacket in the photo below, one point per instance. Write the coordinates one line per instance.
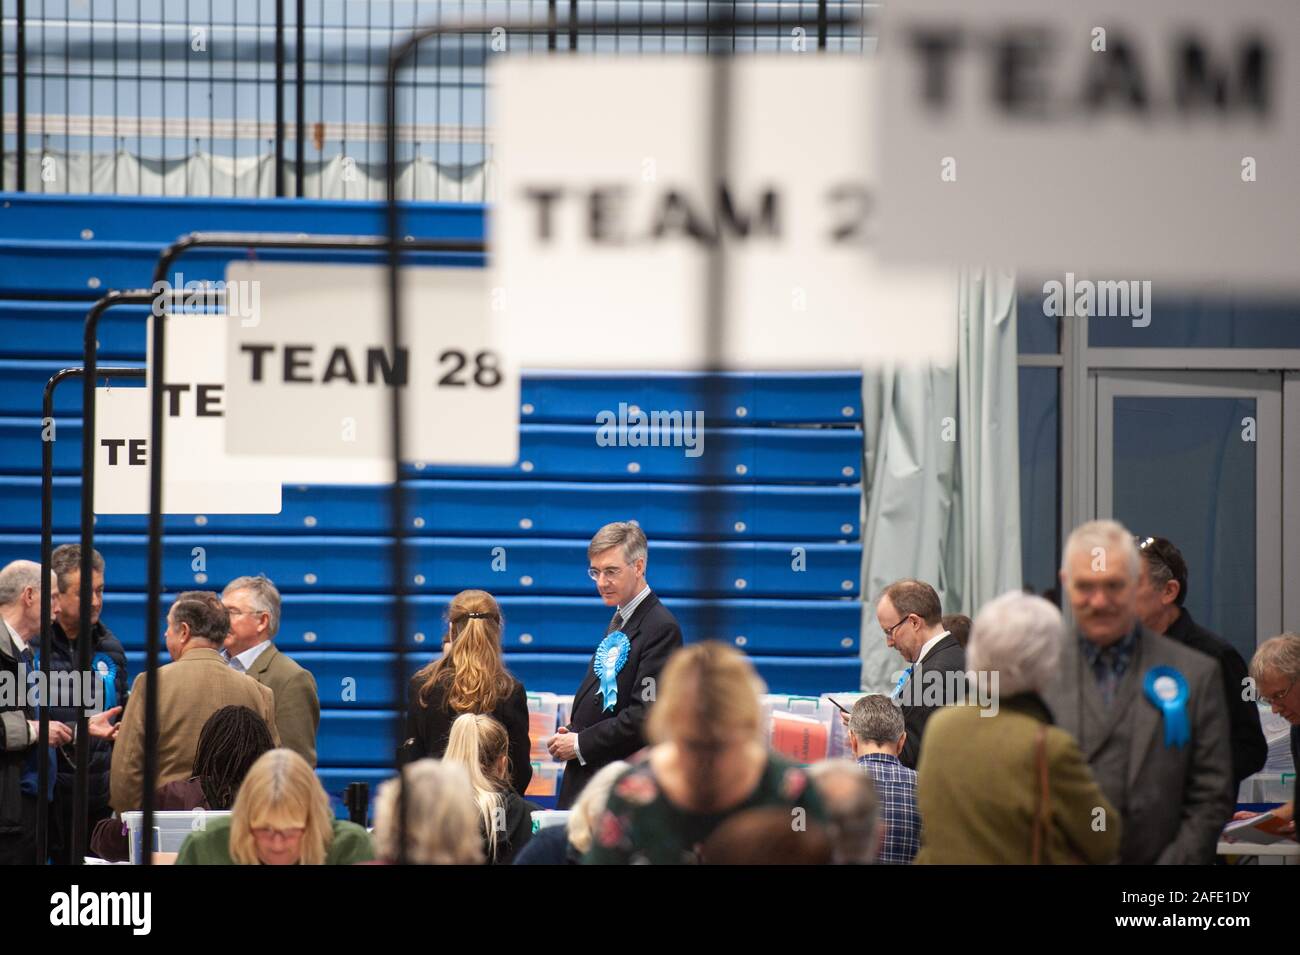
(429, 728)
(946, 656)
(607, 735)
(1249, 748)
(297, 708)
(1178, 797)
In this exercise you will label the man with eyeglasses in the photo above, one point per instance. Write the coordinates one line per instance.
(1275, 668)
(254, 607)
(610, 705)
(911, 617)
(1162, 589)
(1148, 713)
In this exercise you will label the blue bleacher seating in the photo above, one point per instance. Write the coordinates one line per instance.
(760, 534)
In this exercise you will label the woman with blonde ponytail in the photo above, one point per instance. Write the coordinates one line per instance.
(469, 677)
(478, 743)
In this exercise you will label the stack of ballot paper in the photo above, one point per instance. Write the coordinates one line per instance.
(1278, 733)
(800, 738)
(543, 716)
(1264, 829)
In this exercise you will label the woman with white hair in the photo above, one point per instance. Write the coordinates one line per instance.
(998, 784)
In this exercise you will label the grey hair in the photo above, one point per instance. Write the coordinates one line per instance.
(1020, 637)
(625, 533)
(1105, 535)
(442, 824)
(16, 577)
(66, 560)
(1280, 654)
(591, 803)
(265, 595)
(852, 809)
(876, 719)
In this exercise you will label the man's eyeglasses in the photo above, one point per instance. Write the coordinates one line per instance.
(241, 613)
(610, 572)
(889, 631)
(1277, 698)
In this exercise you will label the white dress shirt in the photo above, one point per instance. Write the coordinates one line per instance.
(247, 658)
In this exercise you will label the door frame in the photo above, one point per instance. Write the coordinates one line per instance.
(1267, 390)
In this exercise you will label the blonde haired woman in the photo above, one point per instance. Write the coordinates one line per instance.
(281, 816)
(709, 762)
(478, 744)
(469, 677)
(441, 816)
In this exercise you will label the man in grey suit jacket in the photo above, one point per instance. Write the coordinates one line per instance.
(254, 607)
(1174, 796)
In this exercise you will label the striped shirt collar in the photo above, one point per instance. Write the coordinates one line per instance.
(627, 611)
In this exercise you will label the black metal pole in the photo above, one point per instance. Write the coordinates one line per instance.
(21, 144)
(397, 60)
(47, 549)
(279, 98)
(299, 97)
(396, 508)
(551, 35)
(162, 269)
(822, 24)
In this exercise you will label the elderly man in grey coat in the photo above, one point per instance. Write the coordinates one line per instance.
(1148, 713)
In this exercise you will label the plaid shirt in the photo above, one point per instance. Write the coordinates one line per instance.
(896, 790)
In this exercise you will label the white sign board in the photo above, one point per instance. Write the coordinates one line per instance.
(310, 370)
(197, 476)
(607, 217)
(1118, 140)
(196, 373)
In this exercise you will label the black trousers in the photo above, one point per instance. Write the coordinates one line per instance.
(61, 824)
(19, 848)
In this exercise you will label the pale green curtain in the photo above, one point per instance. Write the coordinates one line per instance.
(942, 469)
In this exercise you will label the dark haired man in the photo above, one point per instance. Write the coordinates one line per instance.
(1162, 589)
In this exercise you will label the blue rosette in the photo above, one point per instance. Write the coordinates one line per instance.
(1167, 690)
(611, 656)
(105, 667)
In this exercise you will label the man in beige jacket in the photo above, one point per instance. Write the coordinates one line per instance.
(196, 684)
(254, 607)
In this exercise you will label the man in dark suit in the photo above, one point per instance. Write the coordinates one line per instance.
(1119, 693)
(610, 705)
(1162, 588)
(910, 615)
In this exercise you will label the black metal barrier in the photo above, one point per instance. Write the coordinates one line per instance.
(47, 548)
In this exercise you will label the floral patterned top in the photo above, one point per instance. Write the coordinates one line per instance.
(641, 826)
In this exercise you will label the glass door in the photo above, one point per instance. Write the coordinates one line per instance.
(1196, 457)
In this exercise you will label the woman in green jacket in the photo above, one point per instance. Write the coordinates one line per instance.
(998, 784)
(282, 816)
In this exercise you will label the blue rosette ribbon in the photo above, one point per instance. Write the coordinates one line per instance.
(1166, 688)
(105, 667)
(611, 656)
